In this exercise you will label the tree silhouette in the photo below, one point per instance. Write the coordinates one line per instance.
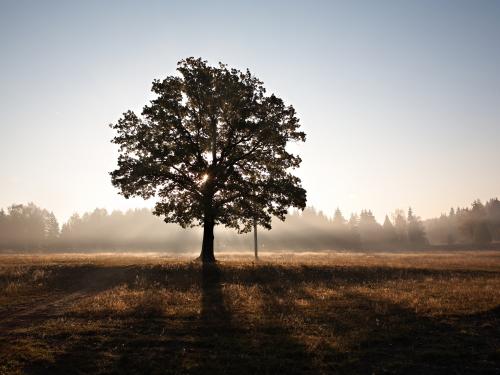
(353, 225)
(27, 226)
(493, 209)
(51, 228)
(338, 218)
(369, 230)
(212, 149)
(416, 232)
(390, 235)
(400, 226)
(482, 235)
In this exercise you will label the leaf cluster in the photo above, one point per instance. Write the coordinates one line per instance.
(211, 145)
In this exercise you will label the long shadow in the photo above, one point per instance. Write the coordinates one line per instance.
(346, 275)
(218, 340)
(138, 342)
(399, 340)
(213, 342)
(279, 350)
(227, 344)
(215, 335)
(214, 312)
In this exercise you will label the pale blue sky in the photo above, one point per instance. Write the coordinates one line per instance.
(400, 99)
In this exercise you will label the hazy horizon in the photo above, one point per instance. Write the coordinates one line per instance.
(400, 101)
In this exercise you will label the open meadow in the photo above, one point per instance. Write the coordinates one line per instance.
(327, 312)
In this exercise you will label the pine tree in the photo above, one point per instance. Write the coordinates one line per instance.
(416, 232)
(400, 226)
(369, 230)
(482, 235)
(390, 235)
(353, 225)
(51, 228)
(338, 218)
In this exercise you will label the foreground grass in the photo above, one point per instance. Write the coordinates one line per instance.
(334, 312)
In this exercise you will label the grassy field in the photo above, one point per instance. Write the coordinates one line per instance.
(309, 313)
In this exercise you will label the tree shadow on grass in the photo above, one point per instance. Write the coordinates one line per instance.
(220, 339)
(396, 339)
(226, 344)
(378, 336)
(281, 349)
(332, 275)
(140, 341)
(214, 312)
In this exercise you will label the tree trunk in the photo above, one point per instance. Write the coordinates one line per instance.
(256, 247)
(207, 247)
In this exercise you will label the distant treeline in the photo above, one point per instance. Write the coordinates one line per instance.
(28, 227)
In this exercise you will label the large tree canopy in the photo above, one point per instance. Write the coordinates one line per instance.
(212, 148)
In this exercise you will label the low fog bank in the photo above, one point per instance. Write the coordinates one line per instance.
(28, 227)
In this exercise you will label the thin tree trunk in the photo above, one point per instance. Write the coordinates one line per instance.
(256, 247)
(207, 247)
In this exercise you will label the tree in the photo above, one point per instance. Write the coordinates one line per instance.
(338, 219)
(400, 226)
(493, 209)
(353, 221)
(369, 230)
(390, 235)
(51, 228)
(469, 219)
(353, 225)
(416, 232)
(482, 235)
(4, 222)
(27, 227)
(212, 148)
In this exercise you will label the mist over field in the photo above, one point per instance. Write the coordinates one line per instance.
(30, 228)
(260, 187)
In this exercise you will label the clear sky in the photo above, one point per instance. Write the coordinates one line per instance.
(400, 100)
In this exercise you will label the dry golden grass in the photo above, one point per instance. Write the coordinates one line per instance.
(288, 313)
